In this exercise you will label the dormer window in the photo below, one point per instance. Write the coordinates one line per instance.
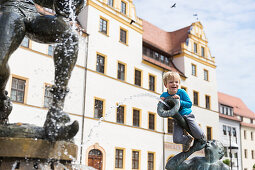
(123, 7)
(195, 48)
(202, 51)
(110, 2)
(226, 110)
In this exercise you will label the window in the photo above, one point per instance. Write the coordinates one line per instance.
(136, 117)
(209, 133)
(135, 159)
(229, 130)
(121, 71)
(251, 135)
(50, 50)
(245, 153)
(150, 161)
(251, 121)
(195, 98)
(123, 36)
(100, 63)
(226, 110)
(123, 9)
(206, 76)
(25, 42)
(195, 47)
(138, 77)
(234, 132)
(224, 129)
(170, 125)
(18, 90)
(207, 102)
(202, 51)
(99, 108)
(121, 114)
(244, 134)
(119, 153)
(194, 69)
(151, 82)
(252, 154)
(103, 28)
(151, 121)
(110, 2)
(48, 96)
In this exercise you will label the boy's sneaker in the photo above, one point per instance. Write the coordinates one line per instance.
(185, 147)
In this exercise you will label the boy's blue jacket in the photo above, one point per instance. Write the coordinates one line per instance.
(185, 101)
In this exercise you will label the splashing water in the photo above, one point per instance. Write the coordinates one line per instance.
(94, 130)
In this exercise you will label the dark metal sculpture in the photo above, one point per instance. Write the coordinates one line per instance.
(20, 18)
(214, 150)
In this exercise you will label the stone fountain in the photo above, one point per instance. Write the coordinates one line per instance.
(26, 146)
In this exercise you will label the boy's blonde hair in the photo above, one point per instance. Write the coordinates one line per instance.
(171, 75)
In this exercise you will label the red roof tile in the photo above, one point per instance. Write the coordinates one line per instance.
(239, 106)
(169, 42)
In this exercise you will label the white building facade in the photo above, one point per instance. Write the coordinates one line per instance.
(115, 88)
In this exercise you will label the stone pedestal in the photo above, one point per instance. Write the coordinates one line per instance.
(29, 154)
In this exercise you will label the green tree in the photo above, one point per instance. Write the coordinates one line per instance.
(227, 162)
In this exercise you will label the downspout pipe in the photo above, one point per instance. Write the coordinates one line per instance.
(84, 97)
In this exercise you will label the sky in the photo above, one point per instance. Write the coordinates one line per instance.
(229, 26)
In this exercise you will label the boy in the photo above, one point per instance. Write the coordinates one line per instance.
(172, 81)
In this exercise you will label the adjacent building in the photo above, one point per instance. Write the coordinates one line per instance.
(241, 135)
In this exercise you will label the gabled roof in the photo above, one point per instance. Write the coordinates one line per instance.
(169, 42)
(238, 105)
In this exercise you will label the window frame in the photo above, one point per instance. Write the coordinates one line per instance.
(154, 85)
(101, 28)
(194, 91)
(123, 11)
(141, 78)
(139, 117)
(139, 159)
(103, 109)
(46, 85)
(154, 121)
(105, 62)
(208, 106)
(25, 88)
(195, 45)
(154, 160)
(211, 132)
(110, 4)
(124, 114)
(202, 51)
(193, 71)
(126, 36)
(125, 70)
(123, 157)
(206, 75)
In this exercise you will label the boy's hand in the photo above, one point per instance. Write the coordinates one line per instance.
(176, 96)
(162, 98)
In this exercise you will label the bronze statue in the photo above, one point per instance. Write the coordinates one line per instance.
(214, 151)
(20, 18)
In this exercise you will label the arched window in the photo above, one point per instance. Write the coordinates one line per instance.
(95, 159)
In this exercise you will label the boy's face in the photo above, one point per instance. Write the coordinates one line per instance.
(172, 85)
